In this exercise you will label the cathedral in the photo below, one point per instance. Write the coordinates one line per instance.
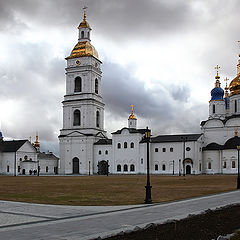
(86, 149)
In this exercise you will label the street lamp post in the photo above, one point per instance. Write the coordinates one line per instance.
(173, 167)
(148, 187)
(89, 168)
(179, 167)
(238, 178)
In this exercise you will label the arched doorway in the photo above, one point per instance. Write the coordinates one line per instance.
(75, 162)
(103, 167)
(188, 169)
(187, 166)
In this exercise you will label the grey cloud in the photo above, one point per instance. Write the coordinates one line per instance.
(162, 107)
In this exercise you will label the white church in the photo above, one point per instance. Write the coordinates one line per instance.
(85, 148)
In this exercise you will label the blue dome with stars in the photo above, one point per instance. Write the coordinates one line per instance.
(217, 93)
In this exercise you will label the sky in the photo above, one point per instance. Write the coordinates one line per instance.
(159, 55)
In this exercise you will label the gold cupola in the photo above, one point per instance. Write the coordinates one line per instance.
(36, 144)
(132, 116)
(84, 23)
(83, 48)
(234, 86)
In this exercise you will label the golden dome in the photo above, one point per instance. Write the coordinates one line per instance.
(132, 116)
(234, 86)
(84, 23)
(83, 49)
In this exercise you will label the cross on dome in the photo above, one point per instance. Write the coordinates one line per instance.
(226, 80)
(84, 15)
(217, 67)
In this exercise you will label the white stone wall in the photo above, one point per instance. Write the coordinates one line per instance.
(48, 163)
(103, 153)
(167, 158)
(220, 109)
(126, 156)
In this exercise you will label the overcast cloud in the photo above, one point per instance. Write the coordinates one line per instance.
(158, 55)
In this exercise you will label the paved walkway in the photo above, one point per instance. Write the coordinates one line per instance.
(24, 221)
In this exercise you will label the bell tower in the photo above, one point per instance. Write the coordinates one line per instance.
(83, 107)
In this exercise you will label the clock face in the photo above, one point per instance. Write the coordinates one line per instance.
(77, 62)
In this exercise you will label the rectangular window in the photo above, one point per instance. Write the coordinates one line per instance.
(200, 167)
(141, 160)
(8, 168)
(224, 164)
(46, 168)
(233, 164)
(156, 149)
(171, 149)
(164, 149)
(156, 167)
(19, 168)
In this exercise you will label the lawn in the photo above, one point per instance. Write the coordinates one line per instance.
(111, 190)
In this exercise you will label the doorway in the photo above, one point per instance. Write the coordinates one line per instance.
(103, 168)
(188, 169)
(75, 165)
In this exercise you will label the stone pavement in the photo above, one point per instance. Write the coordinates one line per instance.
(24, 221)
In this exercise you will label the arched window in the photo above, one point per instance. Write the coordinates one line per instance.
(76, 118)
(213, 108)
(119, 145)
(78, 84)
(88, 35)
(97, 119)
(82, 34)
(132, 168)
(233, 164)
(46, 168)
(209, 165)
(99, 152)
(8, 168)
(125, 168)
(164, 167)
(106, 152)
(235, 105)
(132, 145)
(125, 144)
(119, 168)
(156, 167)
(96, 86)
(171, 149)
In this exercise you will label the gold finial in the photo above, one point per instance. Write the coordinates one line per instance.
(132, 116)
(132, 107)
(226, 88)
(236, 131)
(217, 67)
(36, 143)
(84, 15)
(226, 80)
(217, 83)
